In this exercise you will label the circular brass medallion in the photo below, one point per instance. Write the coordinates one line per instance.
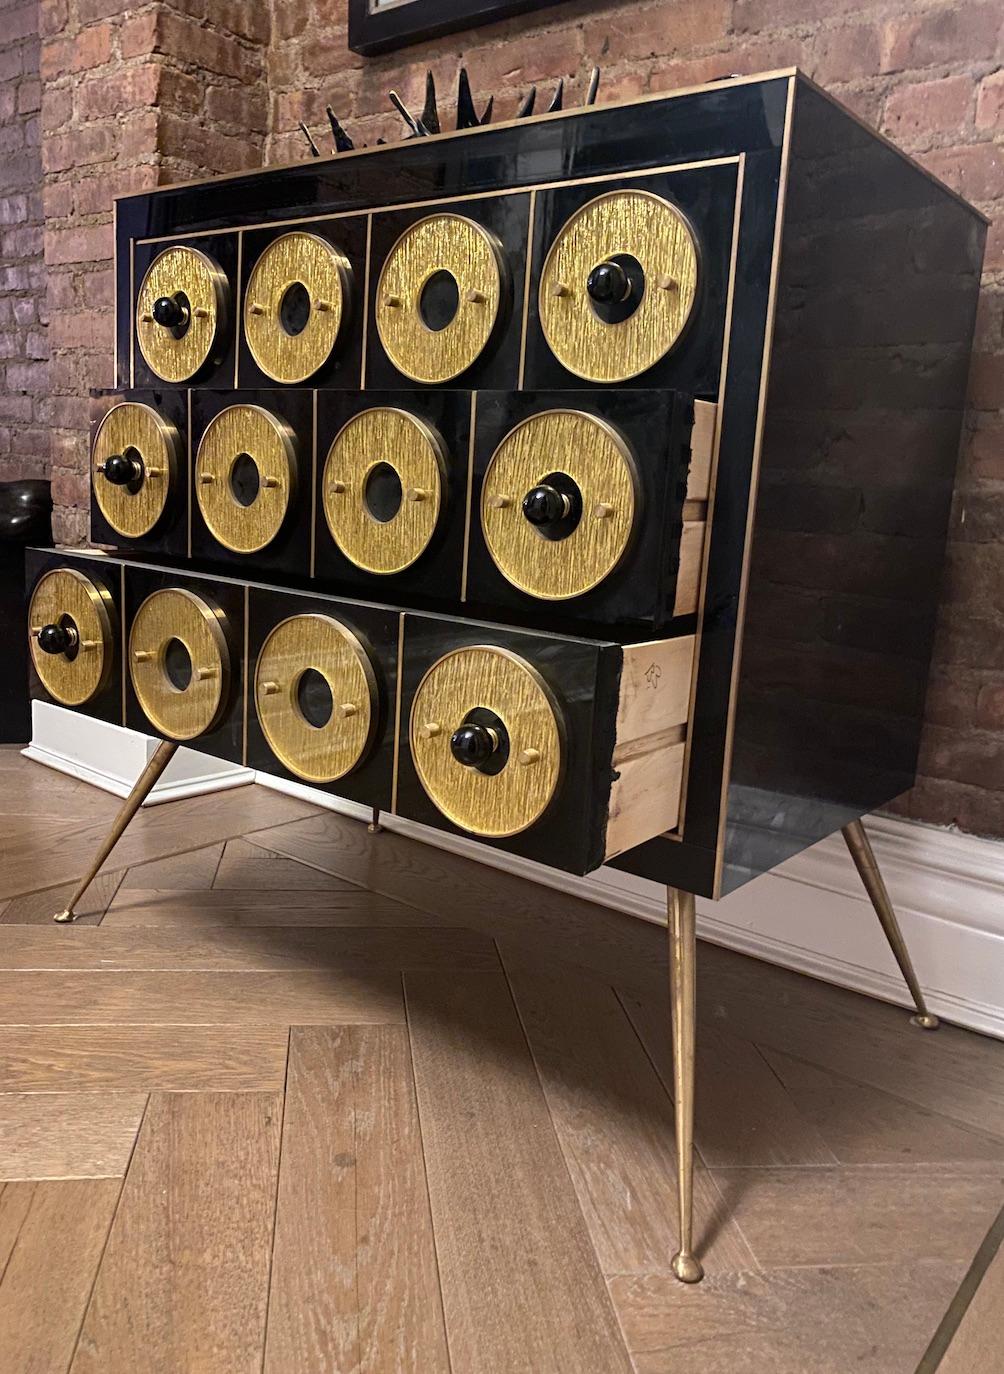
(296, 301)
(179, 662)
(199, 290)
(444, 247)
(596, 465)
(84, 611)
(490, 803)
(151, 446)
(369, 444)
(647, 237)
(333, 746)
(245, 476)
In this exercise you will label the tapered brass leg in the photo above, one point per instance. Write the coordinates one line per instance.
(374, 827)
(683, 1000)
(864, 860)
(161, 757)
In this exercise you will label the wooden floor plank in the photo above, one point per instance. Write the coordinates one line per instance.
(235, 907)
(863, 1215)
(522, 1289)
(195, 999)
(184, 1280)
(245, 865)
(978, 1344)
(193, 871)
(743, 1113)
(45, 1059)
(48, 1281)
(15, 1199)
(155, 832)
(349, 948)
(67, 1135)
(38, 908)
(354, 1279)
(871, 1318)
(615, 1123)
(866, 1126)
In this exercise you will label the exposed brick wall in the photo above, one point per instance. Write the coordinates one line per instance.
(175, 88)
(133, 97)
(24, 444)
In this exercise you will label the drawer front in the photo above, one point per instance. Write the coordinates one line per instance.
(139, 471)
(183, 317)
(564, 750)
(74, 632)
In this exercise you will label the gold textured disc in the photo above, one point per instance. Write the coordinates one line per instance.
(177, 614)
(597, 459)
(413, 449)
(318, 753)
(511, 800)
(232, 437)
(473, 257)
(313, 263)
(66, 595)
(642, 226)
(133, 510)
(206, 290)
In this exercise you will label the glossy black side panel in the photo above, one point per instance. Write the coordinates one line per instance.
(169, 537)
(506, 218)
(287, 557)
(343, 367)
(434, 579)
(706, 196)
(218, 369)
(638, 595)
(880, 273)
(104, 573)
(584, 677)
(227, 599)
(376, 628)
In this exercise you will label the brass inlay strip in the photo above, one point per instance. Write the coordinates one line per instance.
(397, 712)
(122, 639)
(366, 301)
(782, 191)
(469, 495)
(245, 655)
(237, 344)
(313, 481)
(188, 474)
(531, 218)
(132, 316)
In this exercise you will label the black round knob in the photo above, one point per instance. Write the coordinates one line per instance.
(608, 284)
(56, 639)
(120, 470)
(544, 505)
(169, 312)
(473, 745)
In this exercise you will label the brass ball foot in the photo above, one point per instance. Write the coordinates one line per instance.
(925, 1021)
(65, 916)
(374, 829)
(687, 1268)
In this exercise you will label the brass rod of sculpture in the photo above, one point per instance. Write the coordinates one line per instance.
(144, 784)
(865, 862)
(374, 827)
(683, 1002)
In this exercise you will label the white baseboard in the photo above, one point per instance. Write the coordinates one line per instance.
(812, 914)
(112, 758)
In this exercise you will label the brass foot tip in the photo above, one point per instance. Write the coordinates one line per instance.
(375, 829)
(925, 1021)
(64, 916)
(687, 1268)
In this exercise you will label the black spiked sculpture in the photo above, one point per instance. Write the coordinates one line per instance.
(430, 113)
(314, 150)
(405, 114)
(467, 115)
(343, 144)
(594, 86)
(527, 103)
(557, 100)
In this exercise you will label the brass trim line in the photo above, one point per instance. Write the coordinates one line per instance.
(469, 496)
(531, 224)
(397, 713)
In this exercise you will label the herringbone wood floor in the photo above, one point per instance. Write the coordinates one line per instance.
(294, 1098)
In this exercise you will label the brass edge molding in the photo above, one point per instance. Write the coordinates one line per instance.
(132, 312)
(189, 474)
(524, 325)
(598, 459)
(244, 674)
(313, 480)
(578, 110)
(680, 831)
(468, 497)
(123, 645)
(240, 267)
(474, 196)
(366, 301)
(397, 712)
(782, 192)
(473, 256)
(525, 787)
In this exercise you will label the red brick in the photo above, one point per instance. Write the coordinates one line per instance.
(925, 112)
(29, 97)
(138, 35)
(79, 245)
(943, 35)
(656, 30)
(990, 103)
(990, 707)
(56, 58)
(975, 170)
(182, 38)
(92, 48)
(77, 149)
(846, 54)
(57, 107)
(240, 108)
(52, 16)
(128, 89)
(26, 376)
(70, 488)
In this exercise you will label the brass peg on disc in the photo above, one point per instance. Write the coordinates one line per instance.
(141, 656)
(348, 709)
(393, 302)
(430, 729)
(256, 308)
(415, 494)
(268, 689)
(206, 478)
(528, 756)
(602, 510)
(500, 502)
(560, 289)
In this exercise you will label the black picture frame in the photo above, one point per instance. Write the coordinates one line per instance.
(376, 28)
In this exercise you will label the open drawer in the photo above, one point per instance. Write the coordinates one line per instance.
(565, 750)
